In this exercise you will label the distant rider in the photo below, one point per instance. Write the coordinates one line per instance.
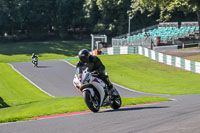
(33, 57)
(94, 65)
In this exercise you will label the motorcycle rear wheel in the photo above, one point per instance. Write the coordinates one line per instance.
(116, 101)
(92, 103)
(35, 65)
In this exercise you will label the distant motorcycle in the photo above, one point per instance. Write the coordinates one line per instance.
(35, 62)
(95, 91)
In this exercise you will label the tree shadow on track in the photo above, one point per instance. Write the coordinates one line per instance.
(43, 66)
(134, 108)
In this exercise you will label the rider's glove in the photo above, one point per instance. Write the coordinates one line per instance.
(95, 73)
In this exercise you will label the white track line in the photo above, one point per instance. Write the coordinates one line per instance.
(30, 80)
(137, 91)
(68, 63)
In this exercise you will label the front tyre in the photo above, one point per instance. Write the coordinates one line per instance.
(35, 63)
(91, 102)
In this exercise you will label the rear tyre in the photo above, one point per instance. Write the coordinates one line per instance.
(93, 103)
(116, 101)
(36, 64)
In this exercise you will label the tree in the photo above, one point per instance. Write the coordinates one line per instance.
(166, 7)
(114, 16)
(91, 13)
(3, 17)
(186, 6)
(69, 16)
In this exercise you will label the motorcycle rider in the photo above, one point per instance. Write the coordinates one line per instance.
(33, 56)
(95, 66)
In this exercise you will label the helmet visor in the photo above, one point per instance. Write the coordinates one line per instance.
(83, 58)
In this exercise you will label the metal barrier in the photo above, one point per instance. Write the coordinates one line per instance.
(168, 24)
(148, 42)
(153, 35)
(159, 57)
(189, 24)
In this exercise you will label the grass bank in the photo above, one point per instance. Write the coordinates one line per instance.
(15, 90)
(193, 58)
(48, 50)
(143, 74)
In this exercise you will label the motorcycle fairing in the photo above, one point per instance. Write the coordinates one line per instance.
(100, 90)
(90, 88)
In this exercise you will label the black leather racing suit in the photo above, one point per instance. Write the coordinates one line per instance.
(94, 64)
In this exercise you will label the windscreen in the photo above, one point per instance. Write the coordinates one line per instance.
(79, 70)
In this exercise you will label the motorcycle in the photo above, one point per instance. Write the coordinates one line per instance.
(95, 92)
(35, 62)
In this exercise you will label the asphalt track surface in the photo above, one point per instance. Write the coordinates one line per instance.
(55, 77)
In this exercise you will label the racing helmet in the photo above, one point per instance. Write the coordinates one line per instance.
(84, 55)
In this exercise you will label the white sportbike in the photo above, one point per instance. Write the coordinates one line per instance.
(95, 92)
(35, 62)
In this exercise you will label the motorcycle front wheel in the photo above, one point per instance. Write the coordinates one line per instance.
(93, 103)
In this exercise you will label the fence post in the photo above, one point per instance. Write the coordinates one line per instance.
(183, 45)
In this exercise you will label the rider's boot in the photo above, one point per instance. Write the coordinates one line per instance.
(111, 90)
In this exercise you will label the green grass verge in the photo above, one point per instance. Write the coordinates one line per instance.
(143, 74)
(60, 105)
(15, 90)
(193, 58)
(49, 50)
